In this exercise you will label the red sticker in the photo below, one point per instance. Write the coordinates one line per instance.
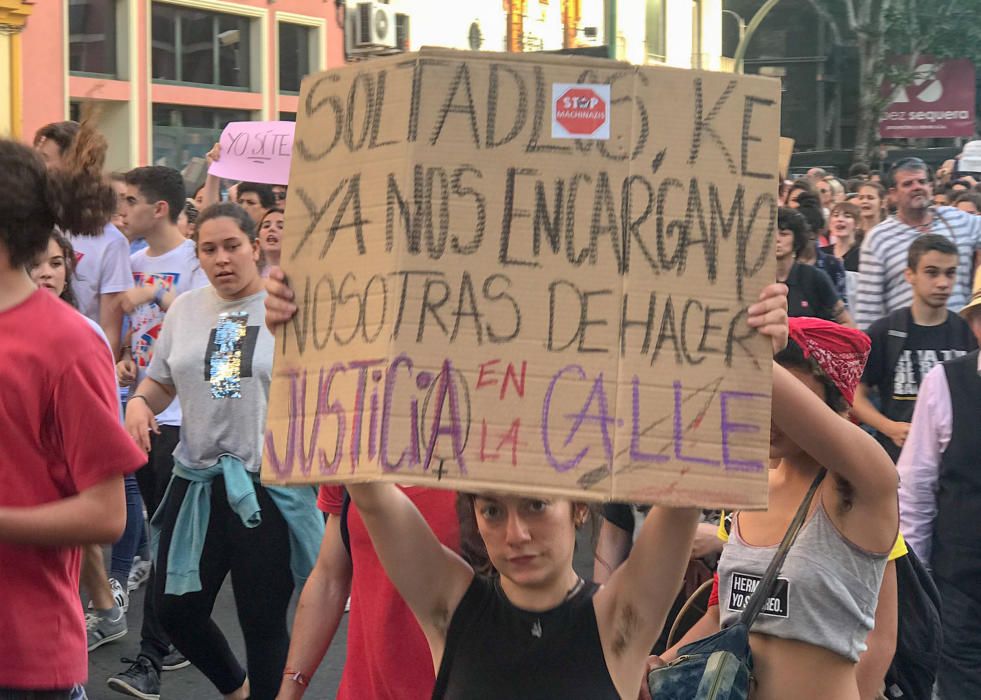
(580, 111)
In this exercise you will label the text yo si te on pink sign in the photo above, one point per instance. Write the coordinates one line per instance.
(255, 152)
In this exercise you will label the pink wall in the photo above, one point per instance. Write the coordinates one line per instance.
(142, 86)
(44, 72)
(45, 82)
(98, 88)
(203, 97)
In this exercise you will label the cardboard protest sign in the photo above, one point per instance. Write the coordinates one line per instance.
(786, 154)
(485, 307)
(255, 152)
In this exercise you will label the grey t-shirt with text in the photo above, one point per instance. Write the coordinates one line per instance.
(218, 354)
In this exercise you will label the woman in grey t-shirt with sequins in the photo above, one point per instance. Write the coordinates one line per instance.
(215, 355)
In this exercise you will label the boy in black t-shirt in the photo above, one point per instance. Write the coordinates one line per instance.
(907, 343)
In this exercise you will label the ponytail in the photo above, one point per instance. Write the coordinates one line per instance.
(75, 197)
(80, 197)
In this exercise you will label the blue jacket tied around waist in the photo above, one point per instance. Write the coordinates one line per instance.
(297, 505)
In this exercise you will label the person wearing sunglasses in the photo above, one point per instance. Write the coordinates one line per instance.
(882, 261)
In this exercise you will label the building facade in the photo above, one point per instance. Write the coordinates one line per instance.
(13, 21)
(164, 76)
(682, 33)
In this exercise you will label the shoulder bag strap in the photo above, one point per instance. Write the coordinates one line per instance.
(896, 335)
(950, 230)
(345, 532)
(756, 602)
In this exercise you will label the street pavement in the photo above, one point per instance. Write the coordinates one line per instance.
(188, 683)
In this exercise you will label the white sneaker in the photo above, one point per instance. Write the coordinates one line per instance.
(102, 630)
(138, 574)
(119, 594)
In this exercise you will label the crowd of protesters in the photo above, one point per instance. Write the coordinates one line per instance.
(874, 317)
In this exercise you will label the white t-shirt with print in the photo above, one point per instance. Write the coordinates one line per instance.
(101, 267)
(175, 271)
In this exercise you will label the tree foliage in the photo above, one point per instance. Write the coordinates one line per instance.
(883, 30)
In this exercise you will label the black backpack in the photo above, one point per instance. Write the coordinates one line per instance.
(896, 336)
(919, 636)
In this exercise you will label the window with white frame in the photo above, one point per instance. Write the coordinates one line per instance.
(295, 55)
(201, 47)
(92, 36)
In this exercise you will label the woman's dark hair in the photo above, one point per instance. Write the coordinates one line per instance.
(852, 210)
(68, 253)
(264, 192)
(232, 211)
(191, 210)
(809, 206)
(472, 546)
(62, 133)
(880, 190)
(790, 220)
(802, 183)
(75, 197)
(970, 196)
(849, 209)
(792, 357)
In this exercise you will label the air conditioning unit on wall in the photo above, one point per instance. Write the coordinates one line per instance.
(402, 31)
(370, 28)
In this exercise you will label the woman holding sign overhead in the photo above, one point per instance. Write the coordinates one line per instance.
(216, 518)
(532, 628)
(823, 632)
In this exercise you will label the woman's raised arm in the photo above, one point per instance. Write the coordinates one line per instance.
(430, 577)
(840, 446)
(632, 606)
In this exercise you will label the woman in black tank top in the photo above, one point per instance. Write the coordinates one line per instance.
(534, 629)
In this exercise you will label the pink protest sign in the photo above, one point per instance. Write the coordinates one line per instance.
(255, 152)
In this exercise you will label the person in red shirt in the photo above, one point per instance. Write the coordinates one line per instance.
(63, 453)
(388, 657)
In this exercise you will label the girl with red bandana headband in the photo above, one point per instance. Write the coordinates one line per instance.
(816, 624)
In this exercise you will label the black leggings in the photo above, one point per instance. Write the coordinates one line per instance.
(259, 561)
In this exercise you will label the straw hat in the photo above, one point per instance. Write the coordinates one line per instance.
(975, 302)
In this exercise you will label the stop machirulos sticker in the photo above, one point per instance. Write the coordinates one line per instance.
(580, 111)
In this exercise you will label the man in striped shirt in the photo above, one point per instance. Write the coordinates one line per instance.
(882, 287)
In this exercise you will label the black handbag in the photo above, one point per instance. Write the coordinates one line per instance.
(720, 667)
